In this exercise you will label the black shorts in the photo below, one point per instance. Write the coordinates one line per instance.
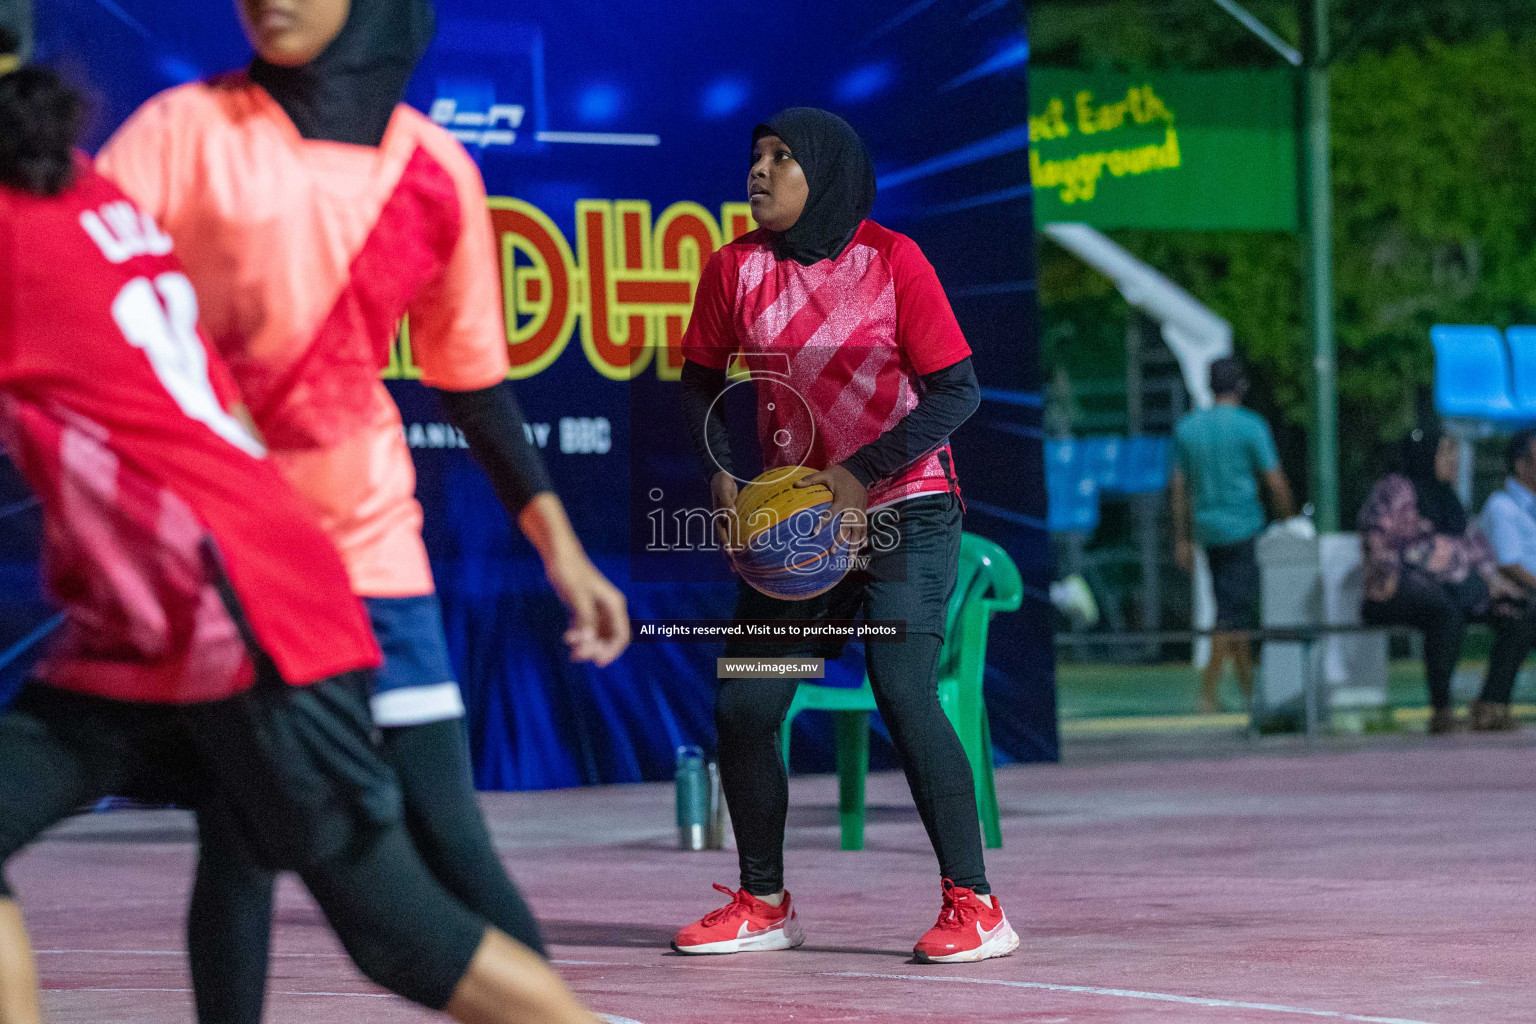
(295, 765)
(293, 770)
(1235, 579)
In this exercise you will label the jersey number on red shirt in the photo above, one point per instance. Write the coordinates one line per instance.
(161, 319)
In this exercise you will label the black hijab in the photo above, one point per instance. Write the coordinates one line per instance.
(350, 91)
(1437, 500)
(841, 179)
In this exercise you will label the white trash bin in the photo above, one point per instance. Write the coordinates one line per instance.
(1291, 589)
(1354, 664)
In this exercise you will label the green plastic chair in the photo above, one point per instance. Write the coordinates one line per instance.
(988, 582)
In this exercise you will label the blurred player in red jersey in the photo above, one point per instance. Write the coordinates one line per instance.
(213, 652)
(313, 210)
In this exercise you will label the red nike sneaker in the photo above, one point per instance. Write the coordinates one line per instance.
(744, 925)
(968, 930)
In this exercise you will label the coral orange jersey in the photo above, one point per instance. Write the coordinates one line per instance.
(305, 255)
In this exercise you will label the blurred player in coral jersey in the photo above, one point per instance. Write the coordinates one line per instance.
(313, 209)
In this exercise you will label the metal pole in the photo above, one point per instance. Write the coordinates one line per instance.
(1144, 507)
(1135, 385)
(1309, 691)
(1317, 221)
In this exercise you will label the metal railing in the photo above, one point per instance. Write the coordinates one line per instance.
(1314, 696)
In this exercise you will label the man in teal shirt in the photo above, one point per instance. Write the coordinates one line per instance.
(1220, 455)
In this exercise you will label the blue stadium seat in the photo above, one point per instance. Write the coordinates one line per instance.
(1522, 364)
(1472, 374)
(1072, 494)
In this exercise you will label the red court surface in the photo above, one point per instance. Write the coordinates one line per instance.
(1395, 883)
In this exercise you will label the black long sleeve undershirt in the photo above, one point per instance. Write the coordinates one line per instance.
(706, 419)
(492, 423)
(946, 399)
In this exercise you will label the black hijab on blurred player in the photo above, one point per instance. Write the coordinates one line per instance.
(349, 92)
(840, 177)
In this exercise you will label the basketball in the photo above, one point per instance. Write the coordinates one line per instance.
(787, 551)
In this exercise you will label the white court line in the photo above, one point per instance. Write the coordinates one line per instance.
(608, 1017)
(168, 952)
(1121, 993)
(125, 952)
(348, 995)
(600, 138)
(47, 989)
(310, 956)
(1118, 993)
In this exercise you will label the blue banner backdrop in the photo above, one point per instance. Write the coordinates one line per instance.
(613, 139)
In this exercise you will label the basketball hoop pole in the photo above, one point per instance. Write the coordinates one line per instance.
(1258, 28)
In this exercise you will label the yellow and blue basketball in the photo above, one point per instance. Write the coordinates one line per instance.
(787, 551)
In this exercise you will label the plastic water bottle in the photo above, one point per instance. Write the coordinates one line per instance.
(693, 791)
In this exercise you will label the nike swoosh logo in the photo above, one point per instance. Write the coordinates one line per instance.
(746, 929)
(989, 936)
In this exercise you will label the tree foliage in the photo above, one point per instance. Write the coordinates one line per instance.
(1434, 189)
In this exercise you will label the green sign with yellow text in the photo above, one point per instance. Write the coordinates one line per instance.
(1190, 151)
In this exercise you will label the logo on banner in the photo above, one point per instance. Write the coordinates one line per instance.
(626, 286)
(494, 126)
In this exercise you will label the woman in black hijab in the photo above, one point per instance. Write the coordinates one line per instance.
(872, 349)
(1426, 566)
(1431, 462)
(839, 180)
(347, 90)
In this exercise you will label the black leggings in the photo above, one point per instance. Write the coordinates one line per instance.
(229, 922)
(390, 939)
(1423, 603)
(913, 582)
(60, 751)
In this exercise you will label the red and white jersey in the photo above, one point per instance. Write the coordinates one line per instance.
(835, 347)
(114, 411)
